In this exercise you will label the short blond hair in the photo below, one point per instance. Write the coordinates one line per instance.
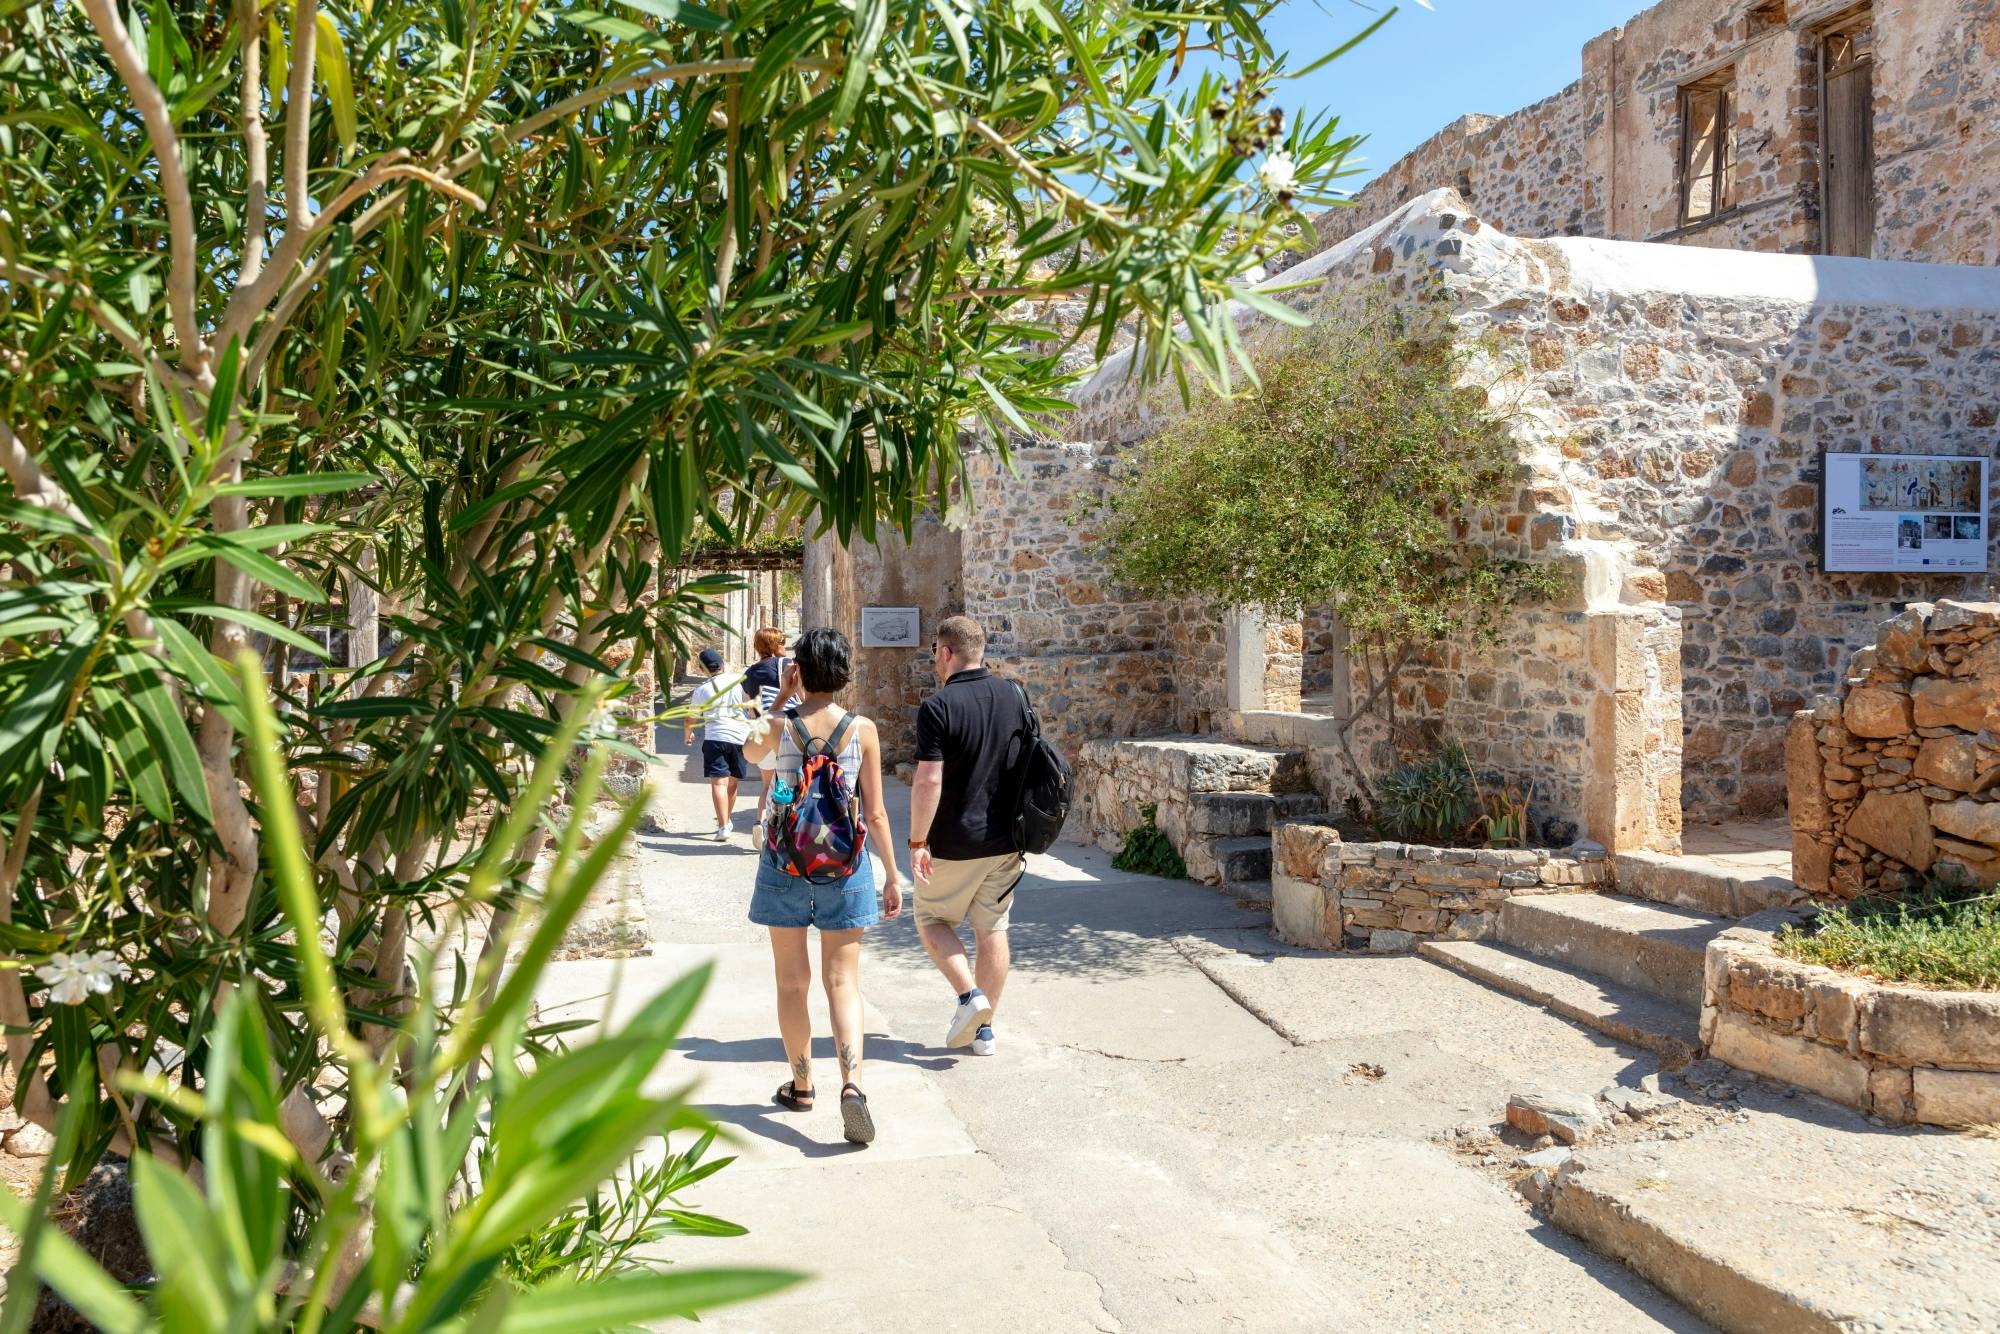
(769, 642)
(962, 635)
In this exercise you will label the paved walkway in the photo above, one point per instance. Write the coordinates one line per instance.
(1184, 1128)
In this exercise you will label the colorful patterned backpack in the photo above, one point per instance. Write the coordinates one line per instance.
(818, 834)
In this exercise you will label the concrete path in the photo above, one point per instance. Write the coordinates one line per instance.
(1187, 1127)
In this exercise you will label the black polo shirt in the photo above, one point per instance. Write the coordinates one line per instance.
(973, 723)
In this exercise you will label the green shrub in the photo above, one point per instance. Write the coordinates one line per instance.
(472, 1180)
(1944, 934)
(1148, 851)
(1431, 800)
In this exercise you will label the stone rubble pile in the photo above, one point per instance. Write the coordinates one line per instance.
(1900, 772)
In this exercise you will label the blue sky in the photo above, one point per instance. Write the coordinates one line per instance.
(1426, 68)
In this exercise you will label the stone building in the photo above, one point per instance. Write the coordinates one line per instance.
(1778, 125)
(1684, 379)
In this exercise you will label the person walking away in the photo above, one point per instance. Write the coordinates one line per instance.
(760, 686)
(822, 866)
(724, 728)
(962, 854)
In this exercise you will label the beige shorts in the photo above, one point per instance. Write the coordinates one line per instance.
(982, 887)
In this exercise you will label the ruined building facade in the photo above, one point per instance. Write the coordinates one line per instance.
(1774, 125)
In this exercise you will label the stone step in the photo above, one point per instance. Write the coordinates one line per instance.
(1797, 1217)
(1236, 814)
(1620, 1013)
(1253, 893)
(1244, 861)
(1648, 947)
(1700, 884)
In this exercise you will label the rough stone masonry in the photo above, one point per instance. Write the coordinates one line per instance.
(1899, 771)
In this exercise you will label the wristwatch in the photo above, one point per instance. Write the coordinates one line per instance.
(918, 844)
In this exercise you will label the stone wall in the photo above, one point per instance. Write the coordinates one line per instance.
(1327, 894)
(1201, 791)
(924, 571)
(1526, 173)
(1898, 1053)
(1690, 399)
(1097, 662)
(1602, 157)
(1898, 772)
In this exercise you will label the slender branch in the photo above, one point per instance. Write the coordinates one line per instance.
(184, 265)
(105, 316)
(256, 148)
(298, 118)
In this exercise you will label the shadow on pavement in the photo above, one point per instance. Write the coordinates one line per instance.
(763, 1120)
(771, 1051)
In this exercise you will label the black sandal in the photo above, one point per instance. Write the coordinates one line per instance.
(788, 1096)
(858, 1125)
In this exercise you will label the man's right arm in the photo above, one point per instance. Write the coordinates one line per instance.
(927, 787)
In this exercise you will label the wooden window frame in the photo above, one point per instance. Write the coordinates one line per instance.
(1721, 172)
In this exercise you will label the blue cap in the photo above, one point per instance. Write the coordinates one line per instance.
(711, 659)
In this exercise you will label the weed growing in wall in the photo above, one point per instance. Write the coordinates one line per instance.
(1148, 851)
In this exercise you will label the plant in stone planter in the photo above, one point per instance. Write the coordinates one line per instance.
(1943, 933)
(1434, 799)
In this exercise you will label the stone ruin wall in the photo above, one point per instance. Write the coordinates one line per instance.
(1898, 772)
(1526, 173)
(1694, 425)
(1096, 663)
(1566, 167)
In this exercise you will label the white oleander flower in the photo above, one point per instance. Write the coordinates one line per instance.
(759, 729)
(72, 978)
(1278, 175)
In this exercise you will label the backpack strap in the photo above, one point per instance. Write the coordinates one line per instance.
(1033, 725)
(798, 730)
(838, 737)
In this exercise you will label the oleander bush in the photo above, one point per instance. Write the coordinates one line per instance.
(469, 322)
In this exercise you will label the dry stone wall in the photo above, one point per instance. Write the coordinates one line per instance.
(1897, 773)
(1328, 894)
(1902, 1054)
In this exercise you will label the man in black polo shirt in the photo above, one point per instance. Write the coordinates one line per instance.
(962, 825)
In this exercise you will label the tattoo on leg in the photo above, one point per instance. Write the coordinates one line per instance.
(850, 1059)
(801, 1072)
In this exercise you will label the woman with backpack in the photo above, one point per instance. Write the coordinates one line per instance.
(827, 861)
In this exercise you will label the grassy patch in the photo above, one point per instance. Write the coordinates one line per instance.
(1943, 935)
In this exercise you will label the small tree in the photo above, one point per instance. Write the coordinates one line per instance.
(1345, 480)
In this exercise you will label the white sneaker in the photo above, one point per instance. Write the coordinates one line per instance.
(721, 834)
(982, 1042)
(970, 1015)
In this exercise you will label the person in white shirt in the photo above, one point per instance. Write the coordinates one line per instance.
(725, 727)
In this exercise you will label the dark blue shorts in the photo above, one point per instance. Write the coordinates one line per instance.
(722, 759)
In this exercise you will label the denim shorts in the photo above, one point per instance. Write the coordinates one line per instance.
(784, 899)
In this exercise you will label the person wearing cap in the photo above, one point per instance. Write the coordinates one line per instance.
(725, 726)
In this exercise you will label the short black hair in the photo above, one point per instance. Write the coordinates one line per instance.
(826, 662)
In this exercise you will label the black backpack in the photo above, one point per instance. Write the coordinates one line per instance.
(1044, 786)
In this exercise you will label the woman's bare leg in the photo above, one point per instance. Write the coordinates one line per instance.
(840, 972)
(793, 965)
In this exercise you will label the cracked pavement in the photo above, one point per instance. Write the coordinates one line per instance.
(1170, 1137)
